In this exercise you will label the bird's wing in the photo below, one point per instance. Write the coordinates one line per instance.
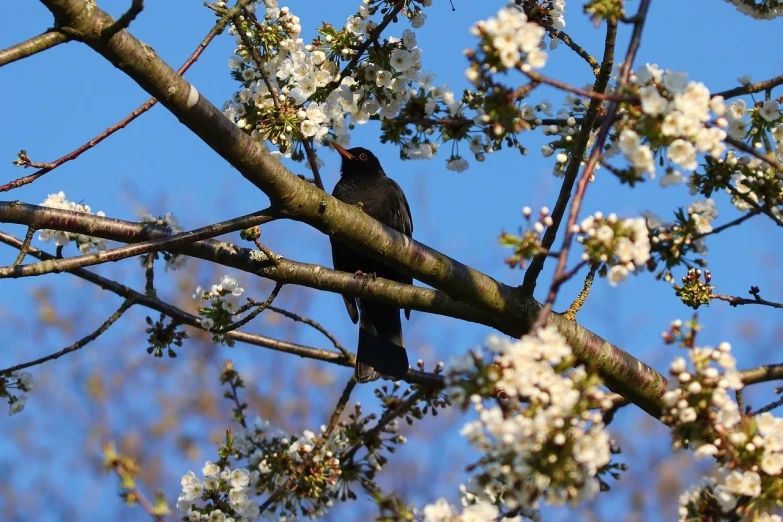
(402, 221)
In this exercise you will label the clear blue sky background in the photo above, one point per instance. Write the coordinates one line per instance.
(55, 101)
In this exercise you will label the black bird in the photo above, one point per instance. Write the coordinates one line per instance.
(363, 182)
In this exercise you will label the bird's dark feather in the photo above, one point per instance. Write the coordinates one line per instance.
(363, 182)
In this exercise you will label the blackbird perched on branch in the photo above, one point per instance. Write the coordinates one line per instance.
(363, 182)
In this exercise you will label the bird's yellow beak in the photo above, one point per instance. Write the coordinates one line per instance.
(344, 153)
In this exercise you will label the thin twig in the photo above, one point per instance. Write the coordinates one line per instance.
(23, 251)
(252, 315)
(234, 394)
(755, 204)
(133, 491)
(457, 123)
(124, 21)
(769, 407)
(315, 325)
(734, 223)
(751, 88)
(618, 401)
(48, 167)
(78, 344)
(312, 160)
(145, 247)
(34, 45)
(268, 253)
(578, 49)
(254, 54)
(766, 158)
(593, 95)
(737, 301)
(390, 415)
(149, 276)
(582, 297)
(568, 275)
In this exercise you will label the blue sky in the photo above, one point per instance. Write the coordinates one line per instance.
(55, 101)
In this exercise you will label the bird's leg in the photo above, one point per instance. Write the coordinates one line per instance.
(365, 276)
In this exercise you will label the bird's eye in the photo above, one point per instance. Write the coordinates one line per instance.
(363, 156)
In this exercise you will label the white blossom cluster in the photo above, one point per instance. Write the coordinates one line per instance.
(674, 242)
(173, 261)
(222, 495)
(703, 213)
(749, 454)
(751, 122)
(507, 41)
(623, 245)
(677, 115)
(224, 301)
(543, 442)
(557, 13)
(85, 243)
(22, 381)
(753, 181)
(275, 457)
(442, 511)
(528, 243)
(689, 386)
(515, 41)
(295, 71)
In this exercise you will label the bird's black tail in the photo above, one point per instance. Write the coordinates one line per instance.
(381, 350)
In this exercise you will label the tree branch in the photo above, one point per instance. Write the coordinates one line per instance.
(314, 324)
(36, 44)
(124, 21)
(578, 49)
(766, 373)
(737, 301)
(733, 223)
(766, 158)
(167, 242)
(81, 343)
(751, 88)
(252, 315)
